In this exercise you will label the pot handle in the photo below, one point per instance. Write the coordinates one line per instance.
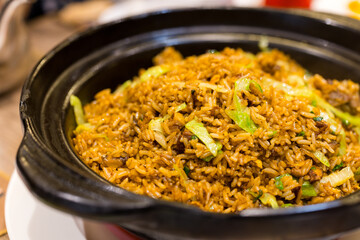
(58, 184)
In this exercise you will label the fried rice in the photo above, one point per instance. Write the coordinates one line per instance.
(225, 131)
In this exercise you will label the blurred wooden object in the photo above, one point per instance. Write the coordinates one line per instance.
(83, 13)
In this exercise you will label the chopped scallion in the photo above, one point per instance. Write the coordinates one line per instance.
(338, 166)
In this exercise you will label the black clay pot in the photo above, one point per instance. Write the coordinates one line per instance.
(107, 55)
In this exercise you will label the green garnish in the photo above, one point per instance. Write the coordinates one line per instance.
(269, 199)
(241, 114)
(212, 51)
(256, 196)
(322, 158)
(339, 177)
(159, 133)
(155, 71)
(342, 147)
(208, 158)
(243, 120)
(273, 134)
(317, 119)
(264, 44)
(78, 110)
(345, 122)
(308, 190)
(278, 182)
(312, 112)
(312, 168)
(244, 84)
(313, 103)
(286, 205)
(301, 134)
(186, 170)
(338, 166)
(198, 129)
(193, 137)
(123, 87)
(180, 107)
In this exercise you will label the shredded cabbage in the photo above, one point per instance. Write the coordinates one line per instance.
(322, 158)
(159, 134)
(155, 71)
(337, 178)
(198, 129)
(123, 87)
(269, 199)
(308, 190)
(78, 110)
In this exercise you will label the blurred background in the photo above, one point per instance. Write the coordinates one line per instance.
(30, 28)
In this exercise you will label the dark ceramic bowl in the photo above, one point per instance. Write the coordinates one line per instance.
(107, 55)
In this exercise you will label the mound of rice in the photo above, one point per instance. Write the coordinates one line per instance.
(226, 131)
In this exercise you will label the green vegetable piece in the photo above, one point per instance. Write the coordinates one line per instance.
(212, 51)
(322, 158)
(312, 168)
(357, 172)
(340, 114)
(84, 127)
(123, 87)
(180, 107)
(256, 196)
(313, 103)
(268, 199)
(78, 110)
(244, 84)
(193, 137)
(278, 182)
(200, 131)
(264, 44)
(339, 177)
(318, 119)
(308, 190)
(338, 166)
(342, 147)
(345, 122)
(159, 134)
(273, 134)
(153, 72)
(287, 205)
(186, 170)
(243, 120)
(208, 158)
(301, 134)
(181, 172)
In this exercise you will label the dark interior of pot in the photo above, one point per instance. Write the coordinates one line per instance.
(106, 56)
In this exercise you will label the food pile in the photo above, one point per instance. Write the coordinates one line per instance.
(225, 131)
